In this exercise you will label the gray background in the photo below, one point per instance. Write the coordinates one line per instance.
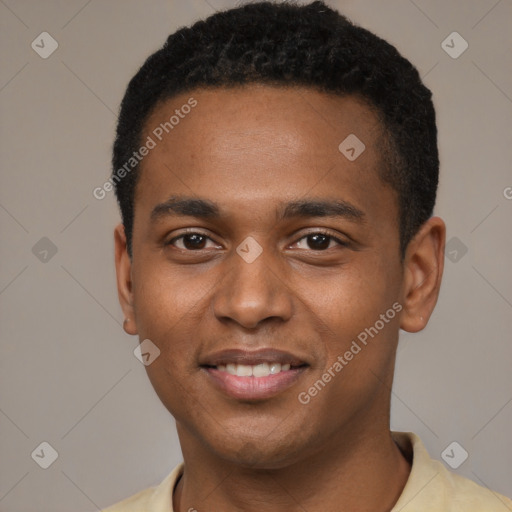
(68, 375)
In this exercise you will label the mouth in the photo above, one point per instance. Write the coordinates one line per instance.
(257, 370)
(255, 375)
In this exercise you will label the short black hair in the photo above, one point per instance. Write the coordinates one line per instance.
(285, 44)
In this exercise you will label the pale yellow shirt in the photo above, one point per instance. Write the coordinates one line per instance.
(430, 488)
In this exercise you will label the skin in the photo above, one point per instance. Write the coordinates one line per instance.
(251, 150)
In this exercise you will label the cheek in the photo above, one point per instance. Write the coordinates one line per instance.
(169, 311)
(353, 298)
(356, 310)
(164, 298)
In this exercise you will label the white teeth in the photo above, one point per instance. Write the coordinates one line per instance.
(261, 370)
(243, 370)
(257, 370)
(276, 368)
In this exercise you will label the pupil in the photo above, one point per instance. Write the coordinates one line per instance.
(318, 241)
(194, 241)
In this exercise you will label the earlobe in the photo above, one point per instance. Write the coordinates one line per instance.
(424, 263)
(124, 279)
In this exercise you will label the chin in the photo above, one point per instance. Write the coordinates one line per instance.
(260, 451)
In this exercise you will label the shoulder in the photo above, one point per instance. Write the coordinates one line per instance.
(468, 496)
(136, 503)
(431, 487)
(154, 499)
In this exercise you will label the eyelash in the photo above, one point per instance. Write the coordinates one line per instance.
(328, 234)
(325, 233)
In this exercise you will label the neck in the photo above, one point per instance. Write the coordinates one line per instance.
(363, 471)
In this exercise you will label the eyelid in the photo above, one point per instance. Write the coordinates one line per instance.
(337, 237)
(190, 231)
(310, 231)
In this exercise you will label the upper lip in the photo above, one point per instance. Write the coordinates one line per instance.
(254, 357)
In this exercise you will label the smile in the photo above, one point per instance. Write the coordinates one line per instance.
(254, 375)
(258, 370)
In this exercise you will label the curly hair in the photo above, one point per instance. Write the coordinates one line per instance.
(284, 44)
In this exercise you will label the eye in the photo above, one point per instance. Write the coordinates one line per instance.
(192, 241)
(319, 241)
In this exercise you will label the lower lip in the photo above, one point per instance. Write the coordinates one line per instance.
(254, 388)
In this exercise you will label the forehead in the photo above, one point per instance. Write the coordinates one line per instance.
(260, 143)
(293, 118)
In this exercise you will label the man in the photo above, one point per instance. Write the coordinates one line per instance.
(276, 168)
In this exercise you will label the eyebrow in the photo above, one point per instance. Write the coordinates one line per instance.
(185, 206)
(322, 208)
(205, 209)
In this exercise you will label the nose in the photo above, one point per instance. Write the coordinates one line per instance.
(252, 294)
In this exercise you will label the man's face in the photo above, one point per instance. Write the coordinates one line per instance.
(266, 162)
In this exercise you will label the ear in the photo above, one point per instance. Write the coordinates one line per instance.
(124, 279)
(424, 263)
